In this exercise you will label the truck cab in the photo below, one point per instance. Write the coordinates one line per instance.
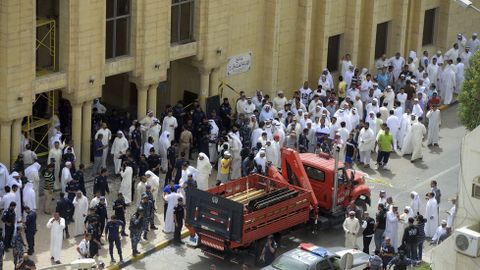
(321, 172)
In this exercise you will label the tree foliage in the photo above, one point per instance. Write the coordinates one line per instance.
(469, 108)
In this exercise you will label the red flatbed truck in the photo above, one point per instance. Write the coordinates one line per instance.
(227, 218)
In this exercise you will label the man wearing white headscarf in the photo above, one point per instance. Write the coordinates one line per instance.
(434, 121)
(107, 136)
(351, 227)
(394, 124)
(32, 174)
(212, 138)
(154, 181)
(126, 185)
(448, 83)
(416, 203)
(99, 106)
(272, 153)
(366, 142)
(29, 196)
(204, 170)
(169, 124)
(66, 175)
(164, 144)
(391, 226)
(154, 132)
(407, 144)
(261, 161)
(417, 109)
(431, 214)
(55, 154)
(371, 119)
(80, 203)
(418, 132)
(236, 147)
(119, 148)
(172, 201)
(373, 106)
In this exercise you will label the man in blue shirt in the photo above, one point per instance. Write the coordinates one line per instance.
(30, 228)
(112, 235)
(98, 153)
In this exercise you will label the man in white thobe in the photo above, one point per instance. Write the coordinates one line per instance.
(459, 75)
(119, 148)
(55, 156)
(394, 124)
(163, 144)
(451, 213)
(418, 131)
(236, 147)
(416, 203)
(397, 62)
(391, 226)
(351, 226)
(3, 178)
(126, 186)
(32, 174)
(154, 132)
(172, 200)
(56, 224)
(431, 214)
(366, 142)
(434, 121)
(154, 182)
(66, 175)
(440, 233)
(448, 84)
(29, 196)
(169, 124)
(107, 136)
(140, 189)
(204, 169)
(80, 202)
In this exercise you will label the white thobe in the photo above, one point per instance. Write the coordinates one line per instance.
(451, 216)
(402, 98)
(416, 204)
(434, 121)
(66, 177)
(154, 181)
(31, 172)
(417, 110)
(18, 208)
(154, 132)
(55, 153)
(391, 228)
(172, 200)
(204, 169)
(107, 136)
(56, 237)
(119, 148)
(431, 214)
(438, 233)
(448, 85)
(432, 71)
(418, 131)
(95, 201)
(29, 196)
(163, 144)
(273, 154)
(394, 124)
(141, 188)
(3, 178)
(146, 148)
(459, 76)
(126, 185)
(79, 214)
(351, 226)
(397, 65)
(170, 124)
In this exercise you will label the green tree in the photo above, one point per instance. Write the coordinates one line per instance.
(469, 108)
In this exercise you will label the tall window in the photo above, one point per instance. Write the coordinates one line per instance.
(182, 21)
(333, 53)
(429, 27)
(381, 39)
(118, 28)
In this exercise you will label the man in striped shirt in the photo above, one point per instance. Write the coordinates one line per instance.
(49, 176)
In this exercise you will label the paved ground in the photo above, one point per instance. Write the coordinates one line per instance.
(439, 163)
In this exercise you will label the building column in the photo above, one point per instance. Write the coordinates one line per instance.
(77, 129)
(142, 92)
(152, 98)
(86, 131)
(214, 82)
(204, 87)
(16, 133)
(5, 142)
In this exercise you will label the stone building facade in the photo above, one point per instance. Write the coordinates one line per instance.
(144, 54)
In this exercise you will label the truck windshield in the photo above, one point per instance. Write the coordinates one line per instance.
(289, 263)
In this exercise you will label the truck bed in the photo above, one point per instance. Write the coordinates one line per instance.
(244, 210)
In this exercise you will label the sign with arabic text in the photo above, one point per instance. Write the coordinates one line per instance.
(239, 63)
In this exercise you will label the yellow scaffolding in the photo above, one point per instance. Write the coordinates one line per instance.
(46, 38)
(37, 128)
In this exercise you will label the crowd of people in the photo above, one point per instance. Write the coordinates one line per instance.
(378, 112)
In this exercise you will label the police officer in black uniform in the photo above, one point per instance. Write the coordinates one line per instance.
(30, 228)
(136, 228)
(65, 209)
(146, 205)
(113, 237)
(95, 244)
(80, 178)
(8, 219)
(152, 210)
(119, 207)
(179, 215)
(100, 183)
(101, 210)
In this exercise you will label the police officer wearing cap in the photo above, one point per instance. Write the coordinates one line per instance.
(146, 205)
(113, 237)
(136, 225)
(101, 183)
(179, 216)
(119, 207)
(152, 209)
(101, 210)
